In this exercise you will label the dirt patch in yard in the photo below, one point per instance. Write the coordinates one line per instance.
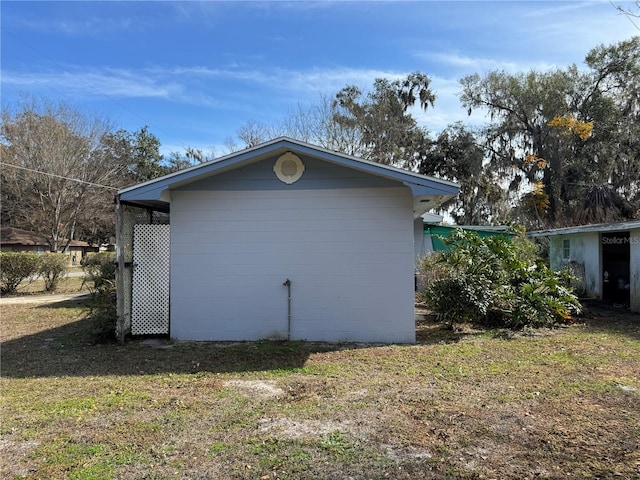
(13, 455)
(257, 388)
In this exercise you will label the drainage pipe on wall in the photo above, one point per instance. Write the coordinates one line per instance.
(287, 284)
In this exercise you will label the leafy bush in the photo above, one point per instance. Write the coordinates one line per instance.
(455, 298)
(498, 281)
(52, 267)
(16, 267)
(100, 273)
(546, 298)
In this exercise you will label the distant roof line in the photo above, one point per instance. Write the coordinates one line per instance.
(593, 227)
(18, 236)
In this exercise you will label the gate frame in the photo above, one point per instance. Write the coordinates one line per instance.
(124, 258)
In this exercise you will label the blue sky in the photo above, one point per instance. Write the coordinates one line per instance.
(194, 72)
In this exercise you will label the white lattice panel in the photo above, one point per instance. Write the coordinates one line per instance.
(150, 298)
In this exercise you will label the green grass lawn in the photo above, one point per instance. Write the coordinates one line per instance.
(470, 404)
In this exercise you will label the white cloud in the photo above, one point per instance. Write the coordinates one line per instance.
(198, 85)
(523, 36)
(85, 26)
(114, 83)
(472, 64)
(190, 83)
(556, 9)
(313, 80)
(333, 79)
(569, 31)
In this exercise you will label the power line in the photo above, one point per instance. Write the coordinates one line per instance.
(59, 176)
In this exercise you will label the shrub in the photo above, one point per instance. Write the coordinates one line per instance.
(460, 298)
(469, 272)
(16, 267)
(498, 281)
(544, 298)
(100, 273)
(52, 267)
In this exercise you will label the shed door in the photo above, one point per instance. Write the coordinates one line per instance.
(616, 262)
(150, 295)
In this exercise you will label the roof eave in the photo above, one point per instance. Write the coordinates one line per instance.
(593, 228)
(154, 190)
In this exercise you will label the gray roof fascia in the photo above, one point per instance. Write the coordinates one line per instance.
(419, 184)
(595, 227)
(194, 173)
(374, 168)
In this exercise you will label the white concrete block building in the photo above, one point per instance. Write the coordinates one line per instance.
(282, 241)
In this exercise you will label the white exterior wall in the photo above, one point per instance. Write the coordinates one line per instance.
(418, 239)
(349, 254)
(634, 284)
(585, 249)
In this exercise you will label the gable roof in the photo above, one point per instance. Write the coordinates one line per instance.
(17, 236)
(594, 227)
(154, 193)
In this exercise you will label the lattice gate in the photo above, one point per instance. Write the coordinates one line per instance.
(150, 285)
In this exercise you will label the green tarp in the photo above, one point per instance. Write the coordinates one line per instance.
(437, 231)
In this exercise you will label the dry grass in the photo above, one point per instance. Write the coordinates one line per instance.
(67, 285)
(469, 404)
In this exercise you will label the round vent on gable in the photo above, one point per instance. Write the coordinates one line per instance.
(288, 168)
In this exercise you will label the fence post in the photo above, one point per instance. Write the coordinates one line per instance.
(120, 314)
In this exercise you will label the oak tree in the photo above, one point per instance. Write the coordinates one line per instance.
(555, 136)
(54, 175)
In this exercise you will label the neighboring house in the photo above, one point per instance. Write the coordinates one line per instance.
(17, 240)
(284, 240)
(606, 255)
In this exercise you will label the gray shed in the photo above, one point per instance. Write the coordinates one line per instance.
(284, 240)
